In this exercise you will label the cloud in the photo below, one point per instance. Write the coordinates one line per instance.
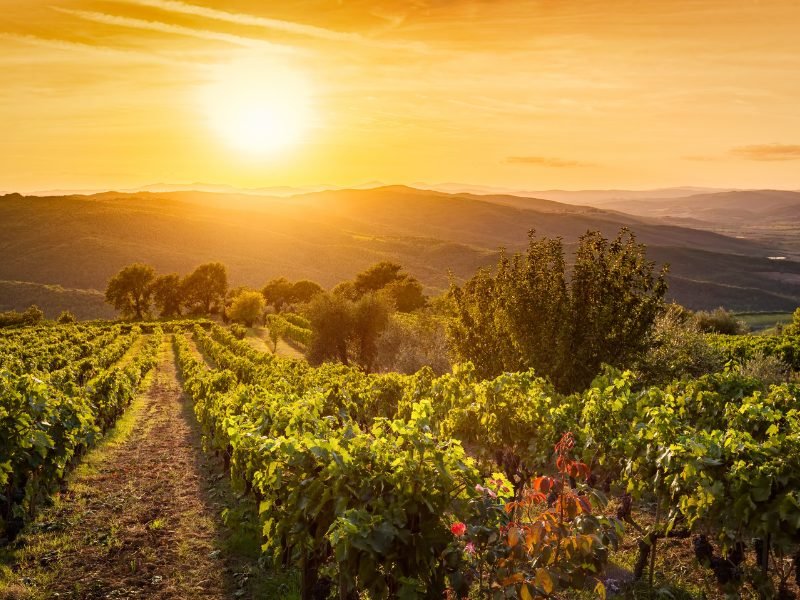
(250, 20)
(768, 152)
(547, 161)
(104, 51)
(118, 21)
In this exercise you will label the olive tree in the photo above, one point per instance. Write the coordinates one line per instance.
(130, 290)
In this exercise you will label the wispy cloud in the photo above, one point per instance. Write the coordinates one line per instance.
(98, 50)
(250, 20)
(158, 26)
(547, 161)
(768, 152)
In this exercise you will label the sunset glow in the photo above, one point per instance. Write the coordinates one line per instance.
(258, 107)
(522, 94)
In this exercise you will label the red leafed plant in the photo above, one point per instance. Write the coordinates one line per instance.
(549, 539)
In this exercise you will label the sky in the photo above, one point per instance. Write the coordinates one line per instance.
(532, 94)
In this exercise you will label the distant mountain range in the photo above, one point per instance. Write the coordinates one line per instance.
(78, 241)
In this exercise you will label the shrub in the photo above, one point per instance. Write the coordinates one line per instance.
(678, 349)
(238, 331)
(66, 317)
(720, 320)
(248, 308)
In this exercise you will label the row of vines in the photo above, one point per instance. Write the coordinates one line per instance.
(60, 389)
(361, 476)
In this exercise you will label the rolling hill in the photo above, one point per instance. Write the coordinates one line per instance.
(770, 217)
(78, 242)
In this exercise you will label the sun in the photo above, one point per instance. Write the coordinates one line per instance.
(258, 107)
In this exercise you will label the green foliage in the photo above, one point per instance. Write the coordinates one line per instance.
(741, 348)
(364, 500)
(721, 321)
(794, 328)
(30, 316)
(346, 330)
(204, 289)
(412, 341)
(289, 326)
(168, 295)
(66, 318)
(304, 291)
(331, 318)
(247, 308)
(387, 278)
(130, 290)
(56, 399)
(238, 331)
(526, 314)
(677, 349)
(277, 293)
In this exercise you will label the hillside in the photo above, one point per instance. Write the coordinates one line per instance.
(53, 299)
(770, 217)
(80, 241)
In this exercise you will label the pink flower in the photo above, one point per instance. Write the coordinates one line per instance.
(458, 529)
(479, 488)
(470, 548)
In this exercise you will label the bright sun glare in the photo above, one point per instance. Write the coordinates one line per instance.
(258, 107)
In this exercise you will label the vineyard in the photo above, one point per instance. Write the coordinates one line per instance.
(425, 486)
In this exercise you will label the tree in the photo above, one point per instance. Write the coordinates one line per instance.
(304, 291)
(405, 294)
(346, 290)
(530, 314)
(278, 292)
(370, 318)
(248, 308)
(387, 278)
(615, 299)
(129, 291)
(331, 320)
(377, 277)
(204, 289)
(168, 295)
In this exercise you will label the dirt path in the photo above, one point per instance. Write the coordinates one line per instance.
(141, 522)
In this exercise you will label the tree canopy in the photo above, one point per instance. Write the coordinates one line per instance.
(247, 308)
(529, 313)
(167, 295)
(204, 289)
(130, 290)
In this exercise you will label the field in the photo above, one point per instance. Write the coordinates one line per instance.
(175, 460)
(762, 321)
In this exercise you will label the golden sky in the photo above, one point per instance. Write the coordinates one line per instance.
(521, 94)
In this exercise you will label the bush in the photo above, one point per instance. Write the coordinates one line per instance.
(66, 318)
(413, 341)
(678, 349)
(238, 331)
(720, 321)
(767, 368)
(248, 308)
